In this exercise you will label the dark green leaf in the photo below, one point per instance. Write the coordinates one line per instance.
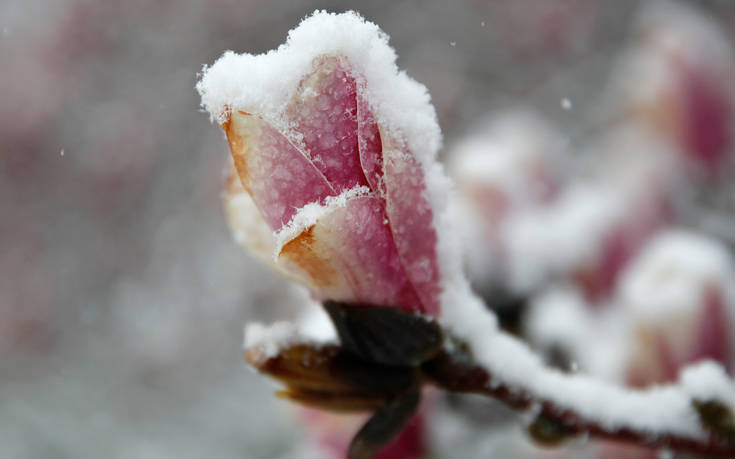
(385, 335)
(383, 426)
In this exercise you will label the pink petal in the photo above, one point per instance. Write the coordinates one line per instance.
(324, 112)
(412, 223)
(247, 224)
(370, 145)
(410, 443)
(277, 175)
(707, 117)
(349, 255)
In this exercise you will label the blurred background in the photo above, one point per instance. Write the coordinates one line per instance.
(123, 296)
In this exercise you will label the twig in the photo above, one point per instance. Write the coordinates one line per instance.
(460, 375)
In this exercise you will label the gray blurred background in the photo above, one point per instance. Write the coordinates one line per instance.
(122, 294)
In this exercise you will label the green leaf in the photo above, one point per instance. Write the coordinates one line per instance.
(383, 426)
(385, 335)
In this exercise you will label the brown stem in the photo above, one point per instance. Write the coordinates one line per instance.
(386, 355)
(457, 374)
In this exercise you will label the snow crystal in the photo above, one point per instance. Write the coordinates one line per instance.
(308, 215)
(270, 339)
(566, 104)
(314, 327)
(263, 84)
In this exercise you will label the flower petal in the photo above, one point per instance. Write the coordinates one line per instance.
(370, 145)
(277, 175)
(412, 223)
(324, 113)
(248, 227)
(349, 255)
(706, 112)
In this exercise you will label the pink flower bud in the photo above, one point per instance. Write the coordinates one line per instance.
(679, 294)
(338, 184)
(682, 67)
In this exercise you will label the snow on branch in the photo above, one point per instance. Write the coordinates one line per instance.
(654, 411)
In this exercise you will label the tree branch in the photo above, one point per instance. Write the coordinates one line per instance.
(458, 374)
(387, 354)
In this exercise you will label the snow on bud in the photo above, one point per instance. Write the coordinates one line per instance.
(331, 143)
(680, 296)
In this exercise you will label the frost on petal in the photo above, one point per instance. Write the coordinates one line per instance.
(369, 143)
(275, 173)
(323, 113)
(349, 255)
(248, 227)
(412, 223)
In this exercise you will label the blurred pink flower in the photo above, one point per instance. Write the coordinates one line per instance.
(683, 65)
(347, 201)
(599, 277)
(680, 299)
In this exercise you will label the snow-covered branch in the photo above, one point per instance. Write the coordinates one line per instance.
(694, 414)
